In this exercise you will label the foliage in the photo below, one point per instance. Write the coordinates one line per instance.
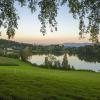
(87, 53)
(65, 62)
(26, 53)
(52, 62)
(49, 60)
(36, 49)
(57, 64)
(83, 9)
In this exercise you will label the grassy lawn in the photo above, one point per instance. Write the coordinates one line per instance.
(7, 61)
(25, 82)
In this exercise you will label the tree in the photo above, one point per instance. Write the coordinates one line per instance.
(81, 9)
(46, 61)
(26, 53)
(57, 64)
(50, 60)
(65, 64)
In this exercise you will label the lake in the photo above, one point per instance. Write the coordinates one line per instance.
(72, 60)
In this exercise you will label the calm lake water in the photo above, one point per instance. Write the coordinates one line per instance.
(72, 60)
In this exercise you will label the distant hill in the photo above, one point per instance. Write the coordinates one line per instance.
(12, 44)
(70, 45)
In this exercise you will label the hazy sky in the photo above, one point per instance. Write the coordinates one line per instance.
(29, 28)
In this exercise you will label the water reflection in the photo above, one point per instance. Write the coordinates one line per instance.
(52, 62)
(73, 60)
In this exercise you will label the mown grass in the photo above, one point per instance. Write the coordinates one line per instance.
(26, 82)
(7, 61)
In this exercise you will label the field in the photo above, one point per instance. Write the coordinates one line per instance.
(26, 82)
(7, 62)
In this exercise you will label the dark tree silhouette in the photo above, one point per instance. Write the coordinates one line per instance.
(81, 9)
(65, 64)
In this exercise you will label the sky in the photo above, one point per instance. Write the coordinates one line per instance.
(29, 28)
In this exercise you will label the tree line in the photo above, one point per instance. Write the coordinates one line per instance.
(87, 53)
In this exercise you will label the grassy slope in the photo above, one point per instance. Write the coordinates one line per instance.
(7, 61)
(25, 82)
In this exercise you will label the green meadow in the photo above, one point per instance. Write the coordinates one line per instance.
(27, 82)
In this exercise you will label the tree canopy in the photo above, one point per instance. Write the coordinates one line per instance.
(82, 10)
